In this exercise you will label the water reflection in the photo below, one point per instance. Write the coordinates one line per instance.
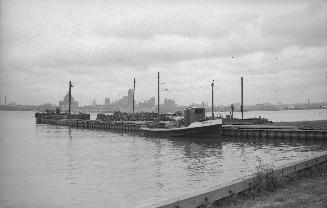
(158, 164)
(277, 142)
(70, 133)
(70, 157)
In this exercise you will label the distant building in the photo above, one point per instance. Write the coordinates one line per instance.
(107, 102)
(94, 103)
(130, 97)
(148, 105)
(125, 101)
(168, 106)
(202, 105)
(64, 104)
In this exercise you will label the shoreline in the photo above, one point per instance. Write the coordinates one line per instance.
(307, 188)
(265, 180)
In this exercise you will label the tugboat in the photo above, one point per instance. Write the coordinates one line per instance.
(195, 125)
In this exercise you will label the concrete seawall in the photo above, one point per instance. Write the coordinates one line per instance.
(198, 198)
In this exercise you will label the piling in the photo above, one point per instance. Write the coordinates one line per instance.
(242, 96)
(239, 131)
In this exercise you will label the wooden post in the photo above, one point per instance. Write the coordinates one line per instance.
(158, 99)
(212, 84)
(242, 96)
(134, 95)
(70, 97)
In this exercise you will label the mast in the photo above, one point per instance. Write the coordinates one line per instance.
(158, 98)
(134, 95)
(242, 96)
(212, 84)
(70, 96)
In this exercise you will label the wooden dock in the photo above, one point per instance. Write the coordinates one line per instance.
(265, 131)
(114, 126)
(239, 131)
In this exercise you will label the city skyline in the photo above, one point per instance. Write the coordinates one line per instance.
(101, 46)
(126, 100)
(126, 103)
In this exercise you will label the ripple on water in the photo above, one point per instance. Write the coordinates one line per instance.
(81, 168)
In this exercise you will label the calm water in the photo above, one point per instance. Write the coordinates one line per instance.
(55, 166)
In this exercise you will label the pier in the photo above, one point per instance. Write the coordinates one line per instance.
(114, 126)
(266, 131)
(133, 127)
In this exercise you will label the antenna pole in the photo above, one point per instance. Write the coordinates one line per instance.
(242, 96)
(212, 84)
(134, 95)
(70, 96)
(158, 98)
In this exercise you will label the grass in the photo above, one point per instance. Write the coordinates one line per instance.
(307, 188)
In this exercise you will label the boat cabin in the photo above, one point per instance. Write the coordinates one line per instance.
(193, 114)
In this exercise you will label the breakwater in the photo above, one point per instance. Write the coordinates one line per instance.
(114, 126)
(144, 116)
(240, 131)
(44, 117)
(264, 131)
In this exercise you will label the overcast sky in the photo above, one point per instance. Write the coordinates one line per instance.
(279, 47)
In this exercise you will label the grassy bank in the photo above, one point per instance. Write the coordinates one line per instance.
(305, 189)
(309, 125)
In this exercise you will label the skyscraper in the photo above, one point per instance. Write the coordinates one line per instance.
(130, 97)
(107, 102)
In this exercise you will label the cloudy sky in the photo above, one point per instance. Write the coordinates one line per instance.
(279, 47)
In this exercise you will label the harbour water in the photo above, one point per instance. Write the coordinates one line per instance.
(57, 166)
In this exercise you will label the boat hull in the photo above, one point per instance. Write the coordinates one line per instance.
(211, 131)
